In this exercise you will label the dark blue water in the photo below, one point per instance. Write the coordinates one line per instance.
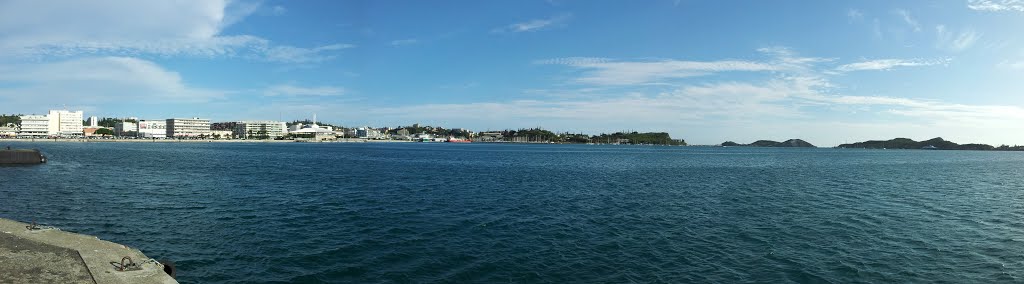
(243, 213)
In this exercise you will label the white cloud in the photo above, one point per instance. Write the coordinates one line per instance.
(909, 20)
(604, 71)
(774, 109)
(996, 5)
(293, 90)
(787, 94)
(407, 41)
(609, 72)
(571, 61)
(533, 25)
(119, 28)
(954, 41)
(100, 80)
(290, 54)
(887, 64)
(854, 15)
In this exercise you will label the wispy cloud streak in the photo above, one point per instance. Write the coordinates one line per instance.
(887, 64)
(909, 20)
(533, 25)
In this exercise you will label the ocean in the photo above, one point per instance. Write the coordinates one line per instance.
(519, 213)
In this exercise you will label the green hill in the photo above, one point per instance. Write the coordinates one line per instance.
(905, 143)
(796, 143)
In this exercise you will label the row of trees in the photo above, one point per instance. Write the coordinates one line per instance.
(5, 119)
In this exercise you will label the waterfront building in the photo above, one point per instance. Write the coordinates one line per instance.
(34, 126)
(94, 121)
(65, 123)
(294, 127)
(314, 132)
(88, 131)
(188, 127)
(368, 133)
(402, 134)
(260, 129)
(9, 130)
(125, 128)
(152, 129)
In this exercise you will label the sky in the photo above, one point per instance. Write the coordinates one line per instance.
(828, 72)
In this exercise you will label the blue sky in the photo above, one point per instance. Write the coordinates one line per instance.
(707, 71)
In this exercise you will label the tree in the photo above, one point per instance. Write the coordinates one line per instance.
(5, 119)
(104, 132)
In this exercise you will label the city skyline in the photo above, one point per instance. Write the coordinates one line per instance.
(703, 71)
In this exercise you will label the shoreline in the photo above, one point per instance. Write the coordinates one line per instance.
(78, 140)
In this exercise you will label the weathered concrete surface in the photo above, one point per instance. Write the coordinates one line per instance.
(54, 256)
(25, 261)
(20, 156)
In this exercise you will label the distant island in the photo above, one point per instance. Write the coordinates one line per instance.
(795, 143)
(936, 143)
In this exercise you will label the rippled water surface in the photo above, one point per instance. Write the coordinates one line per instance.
(405, 212)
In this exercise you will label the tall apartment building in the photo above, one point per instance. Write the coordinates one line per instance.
(35, 126)
(260, 129)
(188, 127)
(65, 123)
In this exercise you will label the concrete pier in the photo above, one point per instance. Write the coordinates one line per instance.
(49, 255)
(21, 156)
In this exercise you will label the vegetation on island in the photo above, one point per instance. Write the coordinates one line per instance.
(794, 143)
(540, 135)
(936, 143)
(631, 138)
(636, 138)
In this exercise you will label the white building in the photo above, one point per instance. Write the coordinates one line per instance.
(35, 126)
(65, 123)
(94, 122)
(125, 128)
(260, 129)
(188, 127)
(295, 127)
(9, 130)
(368, 133)
(152, 129)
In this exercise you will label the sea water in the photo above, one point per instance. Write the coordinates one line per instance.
(437, 212)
